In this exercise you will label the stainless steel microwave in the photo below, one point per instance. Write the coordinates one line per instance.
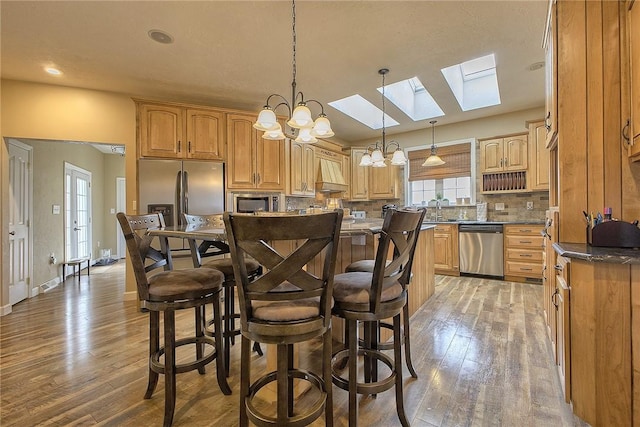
(250, 203)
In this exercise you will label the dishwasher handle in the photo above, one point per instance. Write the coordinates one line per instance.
(480, 228)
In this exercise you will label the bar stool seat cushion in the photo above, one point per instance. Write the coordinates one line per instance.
(226, 265)
(190, 283)
(355, 287)
(285, 311)
(365, 265)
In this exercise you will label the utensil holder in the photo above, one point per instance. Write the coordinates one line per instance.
(614, 234)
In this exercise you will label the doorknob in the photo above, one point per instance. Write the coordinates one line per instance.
(75, 229)
(12, 233)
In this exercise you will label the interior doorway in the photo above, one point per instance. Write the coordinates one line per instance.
(20, 220)
(121, 203)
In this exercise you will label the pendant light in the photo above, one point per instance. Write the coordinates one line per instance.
(300, 119)
(377, 158)
(433, 159)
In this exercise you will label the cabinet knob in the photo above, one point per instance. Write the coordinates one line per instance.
(558, 267)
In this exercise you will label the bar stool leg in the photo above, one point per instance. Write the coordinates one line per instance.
(328, 382)
(352, 325)
(199, 322)
(245, 362)
(407, 341)
(397, 356)
(169, 367)
(222, 370)
(154, 346)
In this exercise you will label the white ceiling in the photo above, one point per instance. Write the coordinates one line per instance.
(235, 53)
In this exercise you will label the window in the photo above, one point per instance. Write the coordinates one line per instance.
(454, 181)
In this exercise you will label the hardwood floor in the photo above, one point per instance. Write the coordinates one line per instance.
(77, 355)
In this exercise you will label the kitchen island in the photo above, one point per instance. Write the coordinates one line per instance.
(599, 337)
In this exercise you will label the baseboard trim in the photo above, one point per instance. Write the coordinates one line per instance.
(47, 286)
(5, 309)
(130, 296)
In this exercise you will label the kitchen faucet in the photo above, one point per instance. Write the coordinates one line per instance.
(438, 210)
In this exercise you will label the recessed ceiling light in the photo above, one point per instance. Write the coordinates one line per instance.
(160, 36)
(53, 71)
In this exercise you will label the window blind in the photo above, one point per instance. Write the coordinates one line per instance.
(457, 163)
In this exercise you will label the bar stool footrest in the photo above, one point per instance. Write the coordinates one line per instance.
(156, 366)
(369, 387)
(313, 413)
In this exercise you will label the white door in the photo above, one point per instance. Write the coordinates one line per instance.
(20, 182)
(120, 207)
(77, 200)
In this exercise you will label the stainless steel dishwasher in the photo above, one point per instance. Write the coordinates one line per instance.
(481, 249)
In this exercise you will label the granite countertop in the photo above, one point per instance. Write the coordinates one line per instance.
(367, 226)
(523, 222)
(585, 252)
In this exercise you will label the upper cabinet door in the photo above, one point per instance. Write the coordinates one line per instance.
(270, 164)
(161, 131)
(383, 182)
(491, 155)
(515, 153)
(241, 155)
(538, 157)
(551, 78)
(359, 181)
(205, 134)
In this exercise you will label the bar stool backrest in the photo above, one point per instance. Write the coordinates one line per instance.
(144, 258)
(256, 236)
(400, 232)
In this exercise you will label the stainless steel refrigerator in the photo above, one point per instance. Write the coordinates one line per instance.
(175, 186)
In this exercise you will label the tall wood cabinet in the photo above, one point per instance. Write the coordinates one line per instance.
(253, 162)
(633, 23)
(174, 131)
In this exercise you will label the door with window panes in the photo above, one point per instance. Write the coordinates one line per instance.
(77, 189)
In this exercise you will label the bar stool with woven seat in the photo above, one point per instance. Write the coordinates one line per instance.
(166, 292)
(367, 265)
(225, 265)
(285, 306)
(369, 297)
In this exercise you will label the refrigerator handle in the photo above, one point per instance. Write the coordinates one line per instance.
(179, 198)
(185, 191)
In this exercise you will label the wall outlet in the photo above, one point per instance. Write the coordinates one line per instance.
(499, 206)
(529, 205)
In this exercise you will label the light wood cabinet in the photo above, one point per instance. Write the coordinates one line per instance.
(301, 170)
(634, 65)
(504, 154)
(383, 182)
(551, 77)
(561, 302)
(253, 162)
(446, 255)
(180, 132)
(359, 176)
(538, 176)
(523, 251)
(548, 273)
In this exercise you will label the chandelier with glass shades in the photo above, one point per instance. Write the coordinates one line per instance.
(378, 156)
(433, 159)
(308, 130)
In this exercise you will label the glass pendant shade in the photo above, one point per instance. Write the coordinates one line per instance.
(398, 158)
(274, 134)
(366, 160)
(433, 159)
(305, 137)
(322, 127)
(266, 120)
(380, 164)
(377, 156)
(301, 117)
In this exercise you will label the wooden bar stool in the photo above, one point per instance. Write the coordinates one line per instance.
(367, 265)
(370, 297)
(166, 292)
(285, 306)
(225, 265)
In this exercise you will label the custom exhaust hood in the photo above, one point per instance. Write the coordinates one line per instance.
(330, 179)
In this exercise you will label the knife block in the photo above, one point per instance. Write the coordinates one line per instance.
(614, 234)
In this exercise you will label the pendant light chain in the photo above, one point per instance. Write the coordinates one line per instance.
(383, 127)
(293, 82)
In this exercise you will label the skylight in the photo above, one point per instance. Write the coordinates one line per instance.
(413, 99)
(474, 83)
(363, 111)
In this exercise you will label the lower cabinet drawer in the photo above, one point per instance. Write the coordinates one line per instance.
(524, 269)
(524, 255)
